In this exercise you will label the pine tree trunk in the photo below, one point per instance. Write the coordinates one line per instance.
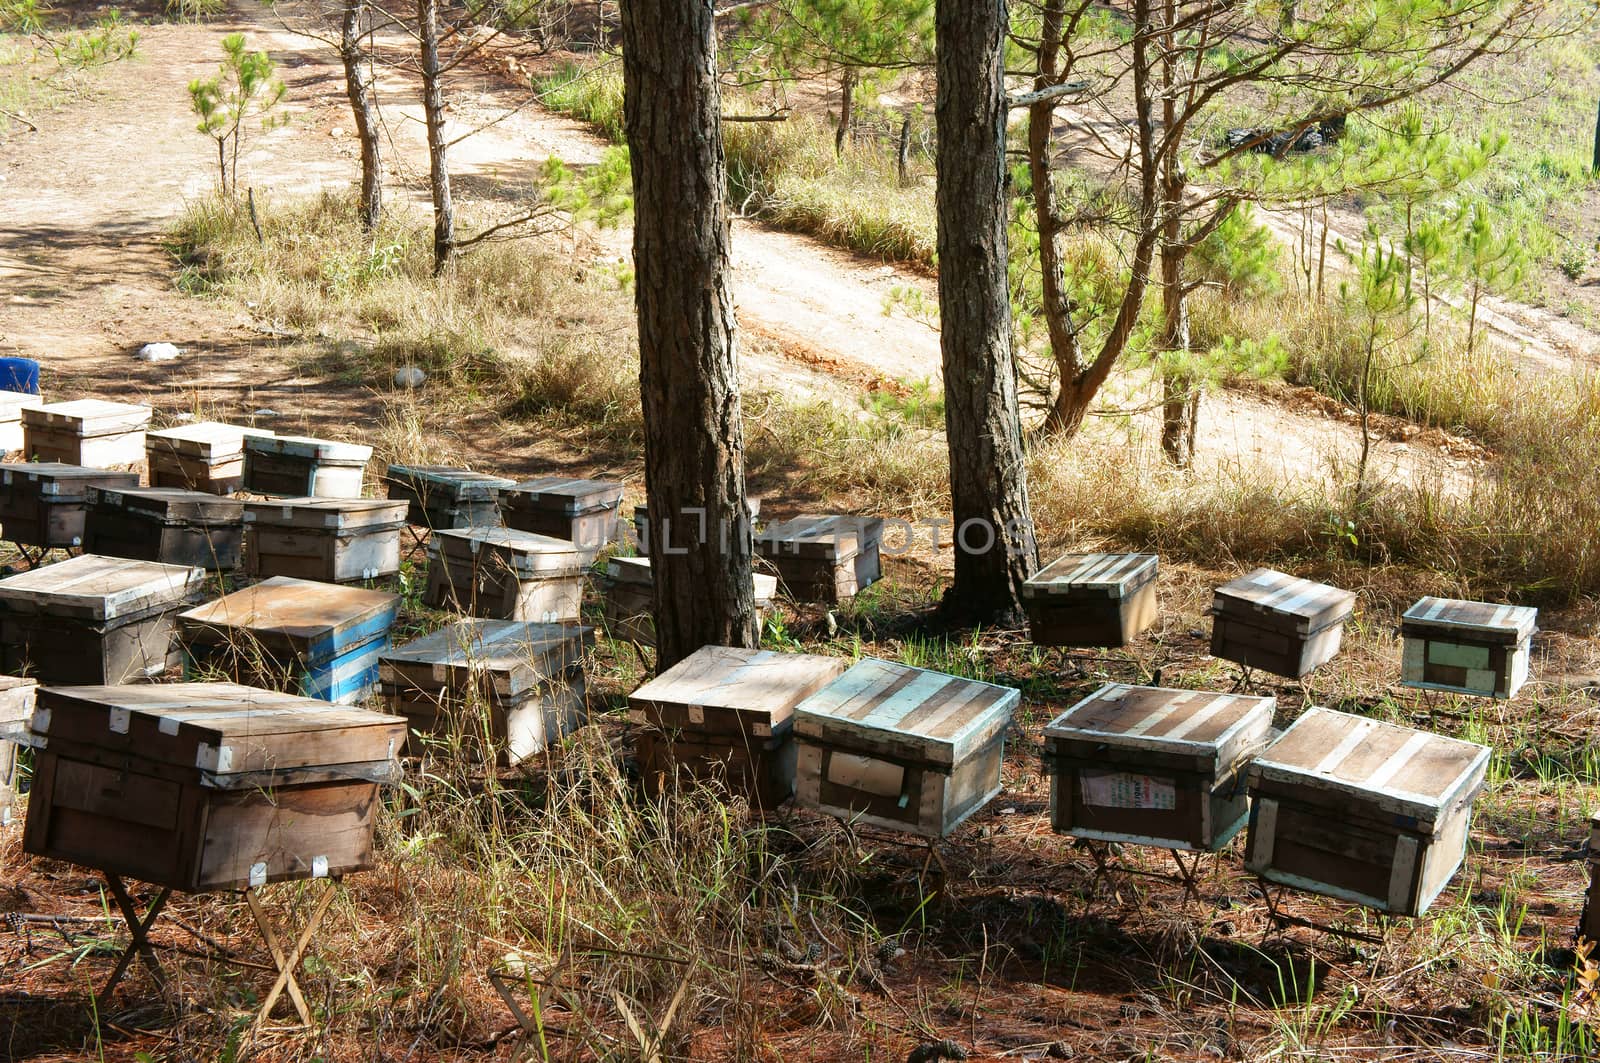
(995, 551)
(444, 210)
(847, 92)
(359, 85)
(902, 157)
(694, 444)
(1180, 395)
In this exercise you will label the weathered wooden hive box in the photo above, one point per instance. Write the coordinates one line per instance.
(95, 619)
(1091, 599)
(16, 710)
(204, 456)
(1154, 766)
(440, 496)
(727, 714)
(823, 559)
(901, 747)
(1278, 623)
(580, 511)
(630, 599)
(513, 686)
(1466, 647)
(45, 504)
(90, 432)
(506, 574)
(303, 467)
(319, 640)
(12, 403)
(1361, 810)
(336, 540)
(643, 535)
(172, 526)
(207, 786)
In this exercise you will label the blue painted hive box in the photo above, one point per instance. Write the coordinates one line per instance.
(319, 640)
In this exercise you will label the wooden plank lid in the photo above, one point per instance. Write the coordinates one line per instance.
(89, 417)
(1116, 575)
(169, 505)
(1310, 606)
(98, 588)
(513, 656)
(1201, 723)
(221, 729)
(330, 451)
(562, 494)
(759, 684)
(636, 571)
(206, 440)
(12, 403)
(65, 482)
(1400, 770)
(312, 618)
(529, 554)
(328, 514)
(1483, 621)
(828, 537)
(446, 483)
(915, 713)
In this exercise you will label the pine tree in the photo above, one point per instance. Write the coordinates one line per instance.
(244, 88)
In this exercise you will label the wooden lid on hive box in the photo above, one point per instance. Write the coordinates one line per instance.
(211, 441)
(909, 713)
(741, 691)
(512, 655)
(228, 735)
(637, 572)
(312, 619)
(1481, 621)
(89, 417)
(446, 483)
(12, 403)
(1114, 575)
(826, 537)
(561, 494)
(529, 554)
(1309, 606)
(66, 483)
(169, 506)
(347, 515)
(1400, 770)
(327, 451)
(100, 589)
(1215, 729)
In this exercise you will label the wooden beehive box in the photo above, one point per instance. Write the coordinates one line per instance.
(1279, 623)
(45, 504)
(1362, 810)
(901, 747)
(1091, 599)
(519, 686)
(16, 710)
(303, 467)
(319, 640)
(823, 559)
(89, 432)
(630, 599)
(1466, 647)
(643, 535)
(1154, 766)
(440, 496)
(727, 714)
(94, 619)
(506, 574)
(172, 526)
(336, 540)
(12, 403)
(203, 456)
(581, 511)
(207, 786)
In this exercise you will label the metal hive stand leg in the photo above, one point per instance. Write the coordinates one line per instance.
(1106, 864)
(287, 963)
(1283, 920)
(1188, 874)
(139, 928)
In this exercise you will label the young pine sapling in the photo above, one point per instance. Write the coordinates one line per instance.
(244, 88)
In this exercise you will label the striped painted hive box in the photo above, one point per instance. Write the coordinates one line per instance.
(90, 432)
(92, 619)
(562, 507)
(160, 524)
(16, 710)
(506, 574)
(1361, 810)
(727, 714)
(643, 535)
(630, 599)
(901, 747)
(516, 686)
(823, 558)
(202, 456)
(12, 403)
(318, 640)
(45, 504)
(335, 540)
(1091, 599)
(1153, 766)
(1466, 647)
(207, 786)
(304, 467)
(1279, 623)
(442, 496)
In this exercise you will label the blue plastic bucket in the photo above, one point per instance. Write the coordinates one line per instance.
(19, 374)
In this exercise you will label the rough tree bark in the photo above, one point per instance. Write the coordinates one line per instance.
(995, 551)
(359, 87)
(1180, 393)
(702, 546)
(847, 93)
(444, 211)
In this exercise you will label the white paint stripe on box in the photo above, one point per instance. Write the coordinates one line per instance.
(907, 699)
(930, 726)
(1346, 746)
(1153, 718)
(1397, 760)
(1216, 705)
(1432, 612)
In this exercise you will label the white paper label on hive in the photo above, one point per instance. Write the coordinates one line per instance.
(119, 721)
(319, 867)
(1122, 789)
(258, 875)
